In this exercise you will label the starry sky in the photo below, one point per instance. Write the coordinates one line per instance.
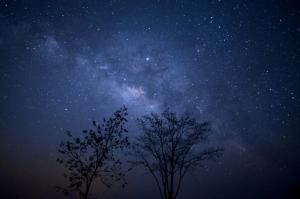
(234, 63)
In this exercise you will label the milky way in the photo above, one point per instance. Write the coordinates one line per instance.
(234, 63)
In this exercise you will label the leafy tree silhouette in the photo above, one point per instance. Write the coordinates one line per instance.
(169, 148)
(93, 155)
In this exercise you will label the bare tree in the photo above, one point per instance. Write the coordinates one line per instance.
(93, 155)
(169, 148)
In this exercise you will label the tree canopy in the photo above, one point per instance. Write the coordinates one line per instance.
(93, 155)
(169, 147)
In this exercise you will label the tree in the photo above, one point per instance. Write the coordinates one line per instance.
(93, 155)
(169, 148)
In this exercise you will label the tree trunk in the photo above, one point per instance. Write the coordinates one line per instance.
(86, 194)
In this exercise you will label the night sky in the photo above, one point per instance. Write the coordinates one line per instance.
(234, 63)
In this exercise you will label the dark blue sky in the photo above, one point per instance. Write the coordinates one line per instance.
(235, 63)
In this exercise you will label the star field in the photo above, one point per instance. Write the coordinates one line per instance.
(234, 63)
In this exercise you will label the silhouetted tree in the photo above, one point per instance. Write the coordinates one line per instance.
(169, 148)
(93, 155)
